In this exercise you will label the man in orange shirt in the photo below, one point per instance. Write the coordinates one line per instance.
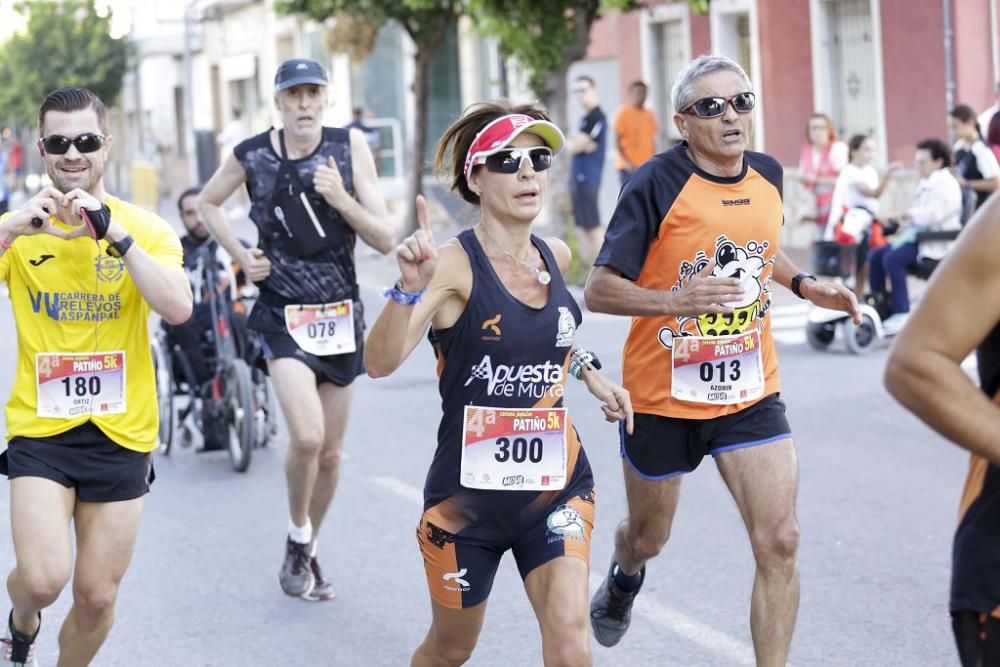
(692, 255)
(636, 128)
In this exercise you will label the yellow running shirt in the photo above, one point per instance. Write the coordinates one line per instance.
(72, 298)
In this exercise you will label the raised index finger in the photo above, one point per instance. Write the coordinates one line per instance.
(423, 221)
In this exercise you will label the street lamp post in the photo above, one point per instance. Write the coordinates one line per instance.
(192, 152)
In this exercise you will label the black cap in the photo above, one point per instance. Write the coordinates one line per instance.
(299, 71)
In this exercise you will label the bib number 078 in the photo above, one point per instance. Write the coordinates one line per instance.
(318, 329)
(519, 451)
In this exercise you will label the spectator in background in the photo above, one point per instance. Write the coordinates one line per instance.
(855, 204)
(371, 134)
(820, 161)
(993, 136)
(16, 164)
(936, 207)
(587, 147)
(987, 116)
(636, 128)
(975, 164)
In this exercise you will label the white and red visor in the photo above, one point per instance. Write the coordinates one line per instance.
(498, 134)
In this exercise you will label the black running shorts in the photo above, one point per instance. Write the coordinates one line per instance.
(662, 447)
(84, 459)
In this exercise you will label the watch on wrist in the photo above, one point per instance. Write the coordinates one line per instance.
(120, 247)
(797, 282)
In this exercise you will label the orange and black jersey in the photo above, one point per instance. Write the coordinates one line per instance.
(975, 578)
(671, 220)
(500, 353)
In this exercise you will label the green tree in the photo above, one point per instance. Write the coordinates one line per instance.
(64, 44)
(425, 21)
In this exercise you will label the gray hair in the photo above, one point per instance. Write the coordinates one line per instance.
(683, 90)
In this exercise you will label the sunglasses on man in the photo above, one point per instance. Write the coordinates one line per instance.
(509, 160)
(713, 107)
(57, 144)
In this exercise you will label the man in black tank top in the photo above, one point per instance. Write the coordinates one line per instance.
(313, 191)
(959, 313)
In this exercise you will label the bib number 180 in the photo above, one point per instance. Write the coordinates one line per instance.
(82, 386)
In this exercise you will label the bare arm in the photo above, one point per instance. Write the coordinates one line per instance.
(834, 296)
(367, 215)
(882, 183)
(958, 310)
(608, 291)
(219, 188)
(985, 185)
(580, 143)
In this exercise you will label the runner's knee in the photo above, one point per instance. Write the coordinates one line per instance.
(95, 601)
(329, 459)
(567, 642)
(451, 653)
(42, 584)
(777, 544)
(306, 442)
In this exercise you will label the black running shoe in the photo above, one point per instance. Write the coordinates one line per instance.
(322, 590)
(296, 576)
(16, 648)
(611, 609)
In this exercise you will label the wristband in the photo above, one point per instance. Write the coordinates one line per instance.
(98, 220)
(797, 283)
(580, 359)
(401, 296)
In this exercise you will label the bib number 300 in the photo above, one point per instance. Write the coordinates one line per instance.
(514, 449)
(70, 385)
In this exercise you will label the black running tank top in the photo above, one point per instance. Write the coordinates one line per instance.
(500, 353)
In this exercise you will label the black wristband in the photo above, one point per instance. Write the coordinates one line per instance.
(797, 282)
(100, 220)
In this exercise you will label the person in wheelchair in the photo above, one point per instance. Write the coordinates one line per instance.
(936, 209)
(193, 337)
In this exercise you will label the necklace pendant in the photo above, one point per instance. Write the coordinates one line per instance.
(544, 277)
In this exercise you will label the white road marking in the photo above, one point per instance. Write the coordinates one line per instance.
(719, 643)
(400, 488)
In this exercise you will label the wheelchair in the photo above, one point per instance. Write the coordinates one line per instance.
(834, 260)
(235, 407)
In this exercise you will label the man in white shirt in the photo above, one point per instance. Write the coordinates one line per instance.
(937, 207)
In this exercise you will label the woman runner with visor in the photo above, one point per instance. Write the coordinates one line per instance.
(509, 471)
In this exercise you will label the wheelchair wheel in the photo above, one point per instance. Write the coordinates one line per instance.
(265, 409)
(240, 414)
(164, 375)
(860, 338)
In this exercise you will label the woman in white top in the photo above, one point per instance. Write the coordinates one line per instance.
(975, 164)
(937, 207)
(855, 203)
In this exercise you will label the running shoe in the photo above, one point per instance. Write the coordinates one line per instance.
(18, 649)
(611, 609)
(296, 575)
(323, 589)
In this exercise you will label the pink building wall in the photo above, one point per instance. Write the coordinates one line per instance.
(973, 53)
(913, 75)
(786, 72)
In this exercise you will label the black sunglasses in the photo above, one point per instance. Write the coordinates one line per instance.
(56, 144)
(509, 161)
(713, 107)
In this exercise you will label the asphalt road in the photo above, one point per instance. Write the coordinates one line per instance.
(877, 506)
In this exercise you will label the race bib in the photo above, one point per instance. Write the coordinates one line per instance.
(510, 449)
(323, 329)
(719, 370)
(70, 385)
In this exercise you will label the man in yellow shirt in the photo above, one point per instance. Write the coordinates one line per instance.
(635, 127)
(84, 269)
